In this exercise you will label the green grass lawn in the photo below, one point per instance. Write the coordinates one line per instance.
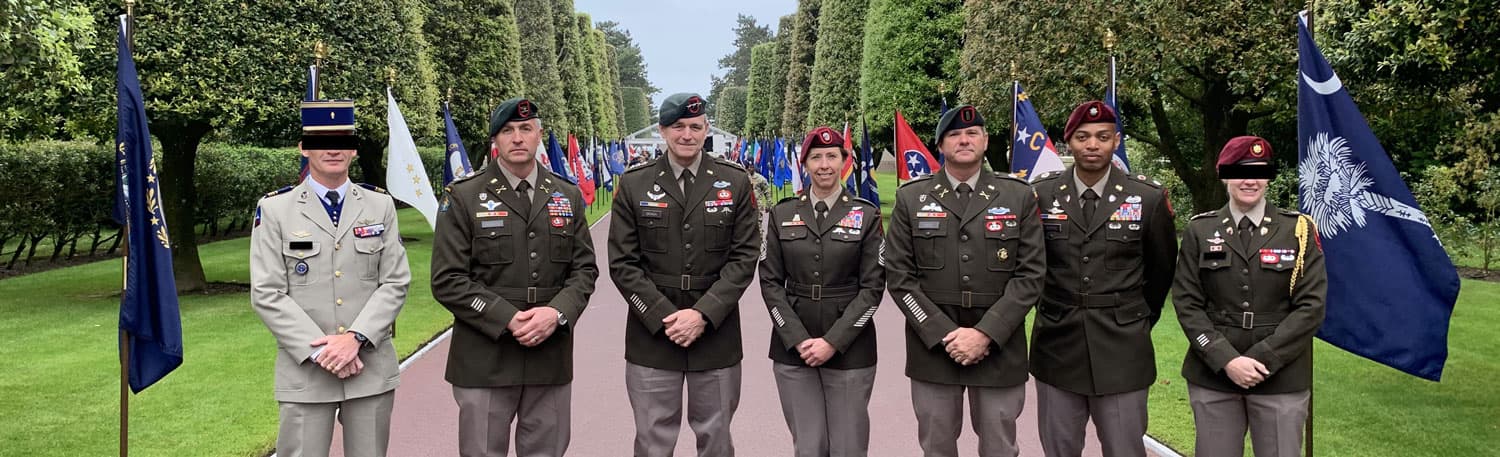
(59, 393)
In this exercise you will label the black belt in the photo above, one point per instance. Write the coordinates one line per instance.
(1085, 300)
(817, 292)
(965, 298)
(1247, 320)
(528, 295)
(684, 282)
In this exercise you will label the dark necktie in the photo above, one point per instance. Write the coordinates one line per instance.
(820, 211)
(1246, 230)
(687, 181)
(1090, 206)
(333, 206)
(964, 189)
(525, 205)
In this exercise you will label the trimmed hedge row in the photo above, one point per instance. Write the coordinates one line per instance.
(63, 192)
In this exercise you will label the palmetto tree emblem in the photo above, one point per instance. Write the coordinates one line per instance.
(1336, 189)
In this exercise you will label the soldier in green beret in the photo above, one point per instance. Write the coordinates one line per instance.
(683, 241)
(965, 265)
(513, 261)
(1249, 292)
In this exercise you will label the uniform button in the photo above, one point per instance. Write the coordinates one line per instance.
(1244, 304)
(963, 237)
(342, 329)
(1086, 279)
(533, 254)
(965, 257)
(339, 301)
(817, 274)
(817, 256)
(533, 275)
(686, 227)
(1085, 259)
(1244, 287)
(1244, 271)
(817, 241)
(531, 235)
(687, 267)
(336, 246)
(687, 246)
(492, 233)
(338, 274)
(966, 278)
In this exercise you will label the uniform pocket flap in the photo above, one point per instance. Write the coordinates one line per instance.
(1131, 313)
(300, 249)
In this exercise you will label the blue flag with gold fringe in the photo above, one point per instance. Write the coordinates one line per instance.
(1391, 286)
(148, 308)
(455, 156)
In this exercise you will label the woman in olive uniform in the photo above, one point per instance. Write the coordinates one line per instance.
(822, 280)
(1249, 293)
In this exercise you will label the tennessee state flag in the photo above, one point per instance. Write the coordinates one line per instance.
(915, 161)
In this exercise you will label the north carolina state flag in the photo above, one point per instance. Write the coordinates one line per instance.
(914, 160)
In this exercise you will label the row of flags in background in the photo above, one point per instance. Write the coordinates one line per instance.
(778, 160)
(1391, 290)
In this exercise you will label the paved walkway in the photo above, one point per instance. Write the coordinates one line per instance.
(426, 417)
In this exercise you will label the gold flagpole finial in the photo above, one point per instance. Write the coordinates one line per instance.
(1014, 69)
(320, 51)
(390, 75)
(130, 8)
(1109, 40)
(450, 93)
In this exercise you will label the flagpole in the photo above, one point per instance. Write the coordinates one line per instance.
(129, 25)
(1308, 445)
(1015, 88)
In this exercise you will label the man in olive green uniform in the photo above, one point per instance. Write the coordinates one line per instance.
(328, 275)
(964, 261)
(1111, 248)
(1249, 292)
(683, 241)
(513, 261)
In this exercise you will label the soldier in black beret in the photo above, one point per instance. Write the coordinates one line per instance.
(683, 240)
(1111, 249)
(964, 263)
(1249, 293)
(513, 261)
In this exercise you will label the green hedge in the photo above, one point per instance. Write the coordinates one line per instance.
(61, 194)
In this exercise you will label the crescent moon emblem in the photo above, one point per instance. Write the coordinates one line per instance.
(1326, 87)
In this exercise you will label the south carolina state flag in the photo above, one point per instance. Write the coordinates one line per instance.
(915, 161)
(1391, 287)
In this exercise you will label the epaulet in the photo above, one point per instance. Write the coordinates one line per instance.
(1011, 177)
(729, 163)
(1047, 175)
(917, 180)
(788, 199)
(1147, 181)
(279, 191)
(863, 201)
(1203, 215)
(373, 188)
(639, 166)
(1289, 212)
(470, 176)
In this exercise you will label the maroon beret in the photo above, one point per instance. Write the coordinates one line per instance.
(1092, 112)
(1243, 149)
(821, 137)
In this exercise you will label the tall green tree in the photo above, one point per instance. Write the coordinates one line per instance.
(477, 51)
(611, 62)
(911, 52)
(758, 95)
(801, 55)
(601, 95)
(220, 67)
(628, 56)
(571, 65)
(736, 64)
(42, 43)
(731, 114)
(835, 72)
(636, 108)
(539, 52)
(776, 102)
(1192, 74)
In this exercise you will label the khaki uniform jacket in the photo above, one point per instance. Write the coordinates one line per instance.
(671, 250)
(1106, 283)
(951, 266)
(355, 279)
(490, 261)
(1263, 301)
(823, 280)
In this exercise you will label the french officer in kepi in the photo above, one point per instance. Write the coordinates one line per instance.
(822, 280)
(965, 264)
(1111, 249)
(328, 276)
(513, 261)
(1249, 292)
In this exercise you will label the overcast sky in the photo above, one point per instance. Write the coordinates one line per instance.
(682, 40)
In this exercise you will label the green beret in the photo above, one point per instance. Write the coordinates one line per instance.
(515, 109)
(682, 105)
(960, 117)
